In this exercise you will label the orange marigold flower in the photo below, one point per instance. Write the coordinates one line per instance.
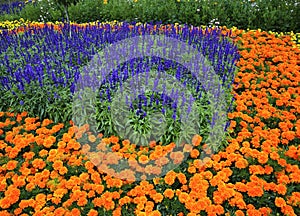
(43, 153)
(155, 213)
(184, 188)
(63, 170)
(241, 163)
(28, 155)
(294, 198)
(182, 178)
(219, 209)
(66, 137)
(157, 197)
(239, 213)
(61, 144)
(38, 163)
(40, 198)
(288, 210)
(184, 197)
(149, 206)
(265, 210)
(124, 200)
(253, 212)
(169, 193)
(240, 187)
(281, 189)
(82, 201)
(49, 141)
(60, 211)
(11, 165)
(274, 155)
(194, 153)
(197, 139)
(255, 191)
(57, 164)
(85, 148)
(289, 135)
(5, 203)
(262, 158)
(138, 212)
(117, 212)
(3, 184)
(282, 162)
(280, 202)
(75, 212)
(125, 142)
(114, 139)
(192, 169)
(217, 198)
(46, 122)
(170, 178)
(19, 181)
(268, 169)
(30, 186)
(18, 211)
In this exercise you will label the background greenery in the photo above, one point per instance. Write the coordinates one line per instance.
(274, 15)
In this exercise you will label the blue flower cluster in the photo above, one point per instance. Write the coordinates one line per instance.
(13, 7)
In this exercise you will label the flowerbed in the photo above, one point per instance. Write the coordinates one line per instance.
(44, 170)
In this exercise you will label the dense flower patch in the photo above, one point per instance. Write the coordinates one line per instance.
(11, 7)
(44, 172)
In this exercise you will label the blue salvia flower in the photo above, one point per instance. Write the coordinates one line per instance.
(108, 94)
(157, 101)
(72, 88)
(226, 126)
(174, 116)
(151, 99)
(183, 100)
(20, 86)
(145, 101)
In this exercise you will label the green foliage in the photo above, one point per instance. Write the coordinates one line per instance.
(66, 3)
(31, 12)
(9, 17)
(82, 11)
(274, 15)
(63, 6)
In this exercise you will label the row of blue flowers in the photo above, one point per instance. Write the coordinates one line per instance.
(39, 69)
